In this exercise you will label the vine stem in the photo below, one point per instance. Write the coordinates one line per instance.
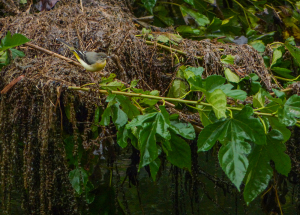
(160, 98)
(286, 79)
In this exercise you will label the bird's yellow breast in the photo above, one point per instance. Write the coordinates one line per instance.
(98, 66)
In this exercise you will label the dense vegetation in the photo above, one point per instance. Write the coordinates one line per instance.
(246, 118)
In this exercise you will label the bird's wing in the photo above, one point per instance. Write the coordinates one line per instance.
(78, 54)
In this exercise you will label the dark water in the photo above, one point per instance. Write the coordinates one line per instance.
(157, 197)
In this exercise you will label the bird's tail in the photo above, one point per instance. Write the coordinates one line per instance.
(67, 44)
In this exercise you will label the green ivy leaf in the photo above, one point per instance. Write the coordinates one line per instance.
(154, 167)
(214, 25)
(140, 120)
(271, 107)
(15, 53)
(258, 100)
(130, 109)
(275, 124)
(191, 2)
(180, 155)
(77, 178)
(241, 125)
(279, 94)
(156, 126)
(231, 76)
(4, 58)
(289, 111)
(175, 37)
(283, 72)
(293, 105)
(199, 18)
(218, 101)
(258, 175)
(233, 160)
(186, 130)
(258, 45)
(163, 14)
(12, 41)
(149, 102)
(250, 81)
(204, 115)
(228, 59)
(149, 5)
(210, 134)
(150, 125)
(193, 76)
(122, 137)
(105, 118)
(285, 117)
(147, 142)
(178, 88)
(295, 52)
(276, 102)
(163, 39)
(275, 149)
(115, 85)
(214, 82)
(119, 117)
(163, 123)
(105, 80)
(133, 83)
(186, 29)
(146, 31)
(235, 94)
(277, 55)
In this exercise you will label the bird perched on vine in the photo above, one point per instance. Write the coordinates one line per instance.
(91, 61)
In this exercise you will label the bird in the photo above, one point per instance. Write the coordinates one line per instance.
(91, 61)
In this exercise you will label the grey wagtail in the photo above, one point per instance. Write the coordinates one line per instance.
(91, 61)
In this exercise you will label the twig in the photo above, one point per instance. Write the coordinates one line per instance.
(53, 53)
(171, 49)
(81, 6)
(11, 84)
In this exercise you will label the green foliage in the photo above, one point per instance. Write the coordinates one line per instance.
(246, 145)
(228, 59)
(295, 52)
(79, 181)
(78, 178)
(149, 4)
(259, 171)
(249, 136)
(153, 128)
(200, 19)
(207, 18)
(7, 45)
